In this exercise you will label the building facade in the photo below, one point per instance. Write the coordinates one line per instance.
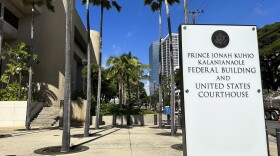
(166, 64)
(165, 57)
(49, 45)
(154, 64)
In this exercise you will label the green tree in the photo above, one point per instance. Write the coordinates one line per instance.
(124, 68)
(16, 69)
(33, 3)
(269, 48)
(67, 87)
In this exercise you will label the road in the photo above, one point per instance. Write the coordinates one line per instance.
(272, 125)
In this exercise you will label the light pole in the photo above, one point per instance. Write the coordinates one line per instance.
(19, 71)
(154, 94)
(194, 13)
(84, 62)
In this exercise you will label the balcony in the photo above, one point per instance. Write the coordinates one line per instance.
(23, 9)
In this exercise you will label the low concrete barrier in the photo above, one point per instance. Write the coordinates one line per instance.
(13, 113)
(78, 112)
(146, 119)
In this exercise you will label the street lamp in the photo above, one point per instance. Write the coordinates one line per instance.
(18, 69)
(84, 62)
(154, 95)
(19, 90)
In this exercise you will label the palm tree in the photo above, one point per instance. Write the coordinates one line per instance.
(1, 30)
(67, 87)
(103, 4)
(117, 69)
(157, 6)
(33, 3)
(123, 68)
(172, 99)
(87, 120)
(186, 9)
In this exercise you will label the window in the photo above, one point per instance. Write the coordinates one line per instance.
(10, 18)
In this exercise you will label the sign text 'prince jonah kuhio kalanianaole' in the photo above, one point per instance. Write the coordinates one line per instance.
(223, 106)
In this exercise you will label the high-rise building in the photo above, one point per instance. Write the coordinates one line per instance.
(154, 63)
(165, 55)
(166, 65)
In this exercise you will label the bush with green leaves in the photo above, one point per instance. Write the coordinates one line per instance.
(110, 109)
(16, 59)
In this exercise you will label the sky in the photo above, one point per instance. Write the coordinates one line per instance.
(136, 26)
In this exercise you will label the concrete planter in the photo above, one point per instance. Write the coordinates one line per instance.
(78, 113)
(13, 113)
(146, 119)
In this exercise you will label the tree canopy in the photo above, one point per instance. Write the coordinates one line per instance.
(269, 48)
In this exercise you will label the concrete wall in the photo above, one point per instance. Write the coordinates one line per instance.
(78, 112)
(13, 113)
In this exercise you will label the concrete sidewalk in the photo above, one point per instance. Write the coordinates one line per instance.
(107, 141)
(117, 141)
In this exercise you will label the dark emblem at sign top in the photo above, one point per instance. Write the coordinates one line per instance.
(220, 39)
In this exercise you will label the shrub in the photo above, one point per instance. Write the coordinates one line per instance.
(110, 109)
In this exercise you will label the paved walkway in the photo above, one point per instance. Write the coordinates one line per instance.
(107, 141)
(117, 141)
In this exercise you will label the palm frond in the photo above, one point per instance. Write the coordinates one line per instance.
(106, 4)
(117, 6)
(148, 2)
(96, 2)
(155, 6)
(171, 2)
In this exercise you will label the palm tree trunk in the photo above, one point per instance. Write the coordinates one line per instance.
(121, 92)
(129, 91)
(172, 101)
(99, 71)
(87, 120)
(124, 93)
(1, 31)
(27, 121)
(138, 91)
(67, 87)
(129, 102)
(186, 11)
(160, 84)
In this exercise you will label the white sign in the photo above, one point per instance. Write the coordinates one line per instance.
(223, 103)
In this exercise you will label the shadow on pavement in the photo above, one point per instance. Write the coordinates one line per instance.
(178, 147)
(56, 150)
(20, 132)
(168, 134)
(74, 146)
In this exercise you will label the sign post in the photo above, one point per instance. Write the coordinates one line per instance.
(221, 91)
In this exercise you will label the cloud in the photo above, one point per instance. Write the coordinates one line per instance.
(261, 11)
(130, 34)
(116, 49)
(104, 60)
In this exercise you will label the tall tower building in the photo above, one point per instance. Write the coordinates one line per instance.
(154, 63)
(166, 64)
